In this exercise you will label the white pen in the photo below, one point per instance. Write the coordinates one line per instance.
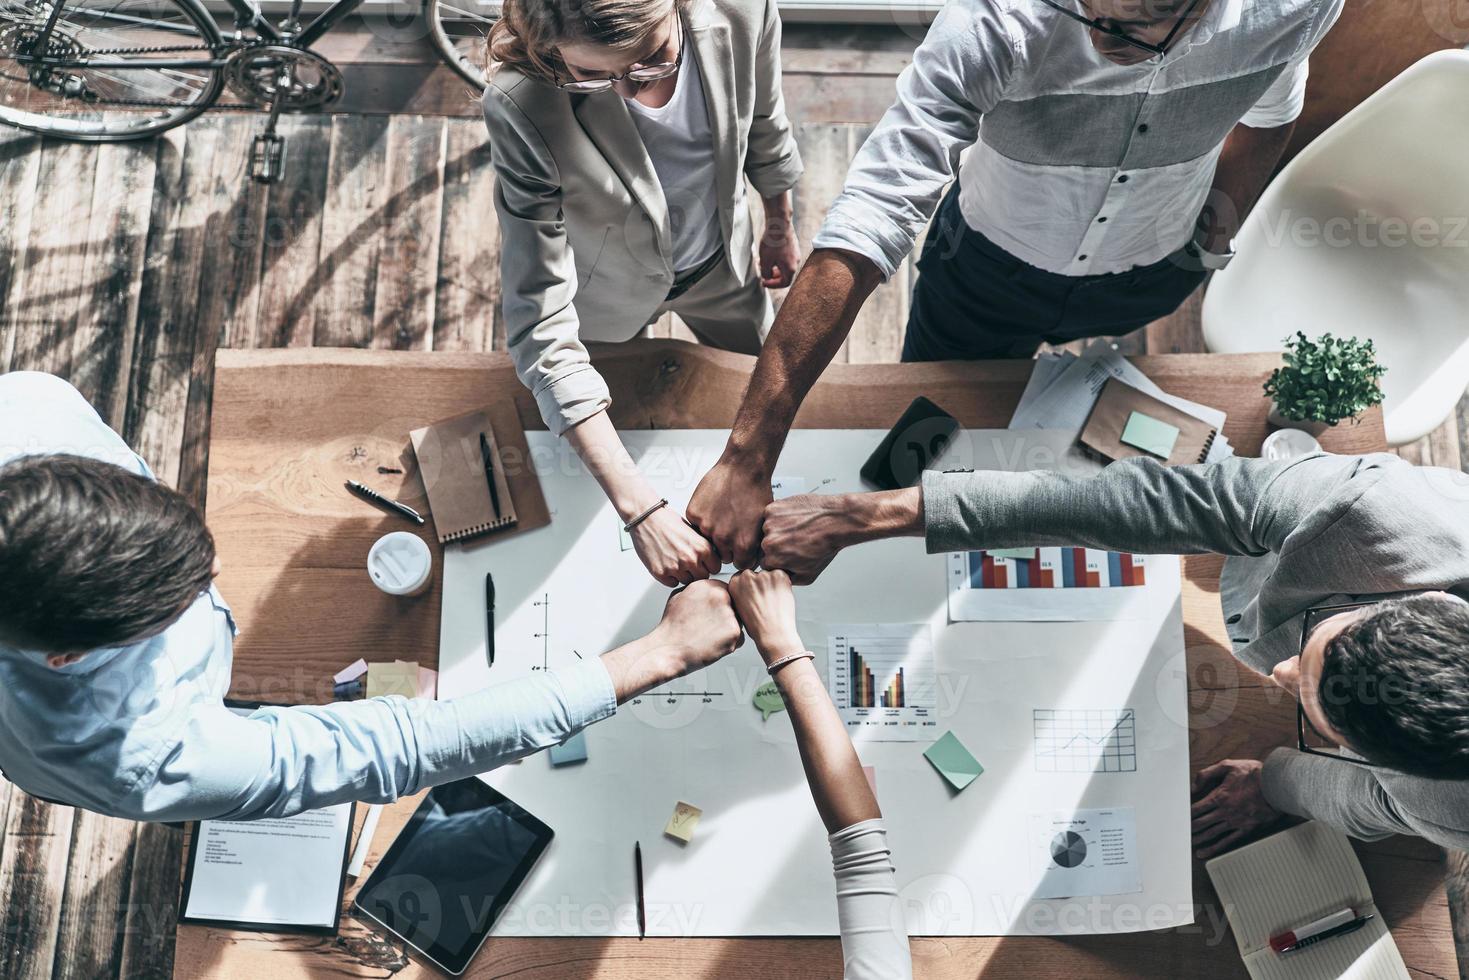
(364, 839)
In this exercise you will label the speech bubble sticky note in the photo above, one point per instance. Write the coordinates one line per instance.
(953, 761)
(573, 750)
(685, 818)
(1150, 435)
(767, 700)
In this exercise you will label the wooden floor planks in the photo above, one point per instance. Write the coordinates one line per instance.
(124, 267)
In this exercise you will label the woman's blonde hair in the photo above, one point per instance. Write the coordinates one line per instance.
(528, 32)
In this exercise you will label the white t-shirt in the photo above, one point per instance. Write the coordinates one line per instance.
(680, 143)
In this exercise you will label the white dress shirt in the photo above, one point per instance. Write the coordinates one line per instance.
(1080, 166)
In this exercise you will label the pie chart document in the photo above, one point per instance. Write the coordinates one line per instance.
(1082, 720)
(1086, 852)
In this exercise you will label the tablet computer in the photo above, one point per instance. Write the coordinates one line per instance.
(446, 878)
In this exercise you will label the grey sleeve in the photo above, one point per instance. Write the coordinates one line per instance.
(538, 271)
(772, 162)
(1365, 803)
(1346, 796)
(1236, 507)
(874, 940)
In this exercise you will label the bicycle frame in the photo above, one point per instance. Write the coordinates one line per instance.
(247, 15)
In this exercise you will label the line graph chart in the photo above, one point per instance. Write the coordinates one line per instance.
(1085, 740)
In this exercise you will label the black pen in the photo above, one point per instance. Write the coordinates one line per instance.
(490, 618)
(368, 493)
(637, 859)
(489, 458)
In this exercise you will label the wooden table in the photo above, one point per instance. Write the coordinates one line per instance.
(290, 426)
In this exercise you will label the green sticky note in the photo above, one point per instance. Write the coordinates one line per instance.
(953, 761)
(768, 700)
(574, 749)
(1022, 554)
(1150, 435)
(624, 539)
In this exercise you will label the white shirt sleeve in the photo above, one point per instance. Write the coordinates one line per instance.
(874, 934)
(1283, 100)
(897, 178)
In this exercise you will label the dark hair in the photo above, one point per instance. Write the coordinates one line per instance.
(1395, 684)
(92, 555)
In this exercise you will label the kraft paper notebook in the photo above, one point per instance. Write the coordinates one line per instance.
(1294, 877)
(1127, 422)
(452, 465)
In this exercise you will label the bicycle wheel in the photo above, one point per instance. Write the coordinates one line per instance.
(111, 70)
(460, 29)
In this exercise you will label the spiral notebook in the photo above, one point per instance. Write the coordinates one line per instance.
(1107, 428)
(456, 479)
(1292, 878)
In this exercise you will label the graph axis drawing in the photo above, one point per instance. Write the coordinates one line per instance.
(1085, 740)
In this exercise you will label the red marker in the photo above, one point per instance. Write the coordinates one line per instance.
(1335, 924)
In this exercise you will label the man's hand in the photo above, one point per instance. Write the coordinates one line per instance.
(780, 255)
(803, 534)
(673, 552)
(727, 508)
(698, 628)
(766, 606)
(1229, 806)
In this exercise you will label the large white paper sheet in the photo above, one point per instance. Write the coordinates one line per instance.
(963, 859)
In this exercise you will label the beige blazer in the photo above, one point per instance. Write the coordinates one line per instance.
(584, 232)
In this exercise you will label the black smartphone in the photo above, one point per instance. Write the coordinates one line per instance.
(910, 447)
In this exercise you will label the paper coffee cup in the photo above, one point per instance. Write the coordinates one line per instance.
(400, 564)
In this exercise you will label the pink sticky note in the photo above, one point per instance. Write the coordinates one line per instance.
(428, 683)
(350, 673)
(871, 773)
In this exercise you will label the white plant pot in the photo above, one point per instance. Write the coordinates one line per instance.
(1312, 428)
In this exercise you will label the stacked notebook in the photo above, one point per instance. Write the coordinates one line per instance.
(1279, 884)
(478, 474)
(1065, 389)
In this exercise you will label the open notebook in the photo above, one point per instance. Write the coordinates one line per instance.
(1292, 878)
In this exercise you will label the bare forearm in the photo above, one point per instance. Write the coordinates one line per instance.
(814, 319)
(597, 443)
(833, 771)
(1245, 165)
(641, 665)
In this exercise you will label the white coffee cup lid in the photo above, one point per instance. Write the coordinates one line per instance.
(399, 563)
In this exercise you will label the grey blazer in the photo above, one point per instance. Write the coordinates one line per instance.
(584, 232)
(1301, 533)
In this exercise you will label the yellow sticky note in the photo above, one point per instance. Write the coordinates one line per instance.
(398, 677)
(685, 818)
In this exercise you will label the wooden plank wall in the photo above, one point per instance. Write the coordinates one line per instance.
(123, 267)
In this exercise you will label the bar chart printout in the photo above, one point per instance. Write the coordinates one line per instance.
(881, 677)
(1023, 584)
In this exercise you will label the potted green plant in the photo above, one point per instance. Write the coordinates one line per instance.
(1324, 381)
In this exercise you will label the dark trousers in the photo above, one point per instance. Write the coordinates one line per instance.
(974, 300)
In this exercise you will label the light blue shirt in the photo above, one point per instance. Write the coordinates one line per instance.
(141, 731)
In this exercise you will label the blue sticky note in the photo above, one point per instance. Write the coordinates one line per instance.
(574, 749)
(1150, 435)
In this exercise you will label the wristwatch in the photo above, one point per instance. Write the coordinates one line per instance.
(1209, 261)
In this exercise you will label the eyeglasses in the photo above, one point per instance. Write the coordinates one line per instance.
(1102, 27)
(1314, 617)
(641, 75)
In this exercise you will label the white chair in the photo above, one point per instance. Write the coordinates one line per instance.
(1366, 234)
